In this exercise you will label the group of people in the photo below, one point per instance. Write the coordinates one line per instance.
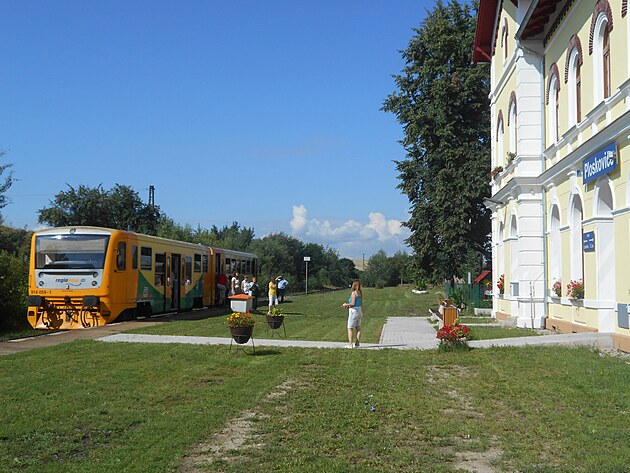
(276, 290)
(230, 286)
(277, 287)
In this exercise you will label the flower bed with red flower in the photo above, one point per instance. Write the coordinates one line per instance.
(452, 336)
(575, 289)
(501, 283)
(557, 288)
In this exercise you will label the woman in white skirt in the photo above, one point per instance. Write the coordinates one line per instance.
(355, 314)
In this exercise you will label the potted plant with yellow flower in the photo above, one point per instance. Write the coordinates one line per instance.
(241, 326)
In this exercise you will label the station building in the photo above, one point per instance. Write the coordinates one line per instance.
(560, 162)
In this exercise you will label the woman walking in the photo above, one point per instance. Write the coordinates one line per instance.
(355, 313)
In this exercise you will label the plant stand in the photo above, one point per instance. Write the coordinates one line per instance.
(240, 337)
(274, 323)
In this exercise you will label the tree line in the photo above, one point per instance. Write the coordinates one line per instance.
(121, 207)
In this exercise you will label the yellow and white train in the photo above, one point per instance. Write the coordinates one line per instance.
(84, 277)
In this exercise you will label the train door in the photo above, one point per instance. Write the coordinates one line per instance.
(175, 277)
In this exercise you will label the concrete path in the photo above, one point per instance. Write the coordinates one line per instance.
(398, 332)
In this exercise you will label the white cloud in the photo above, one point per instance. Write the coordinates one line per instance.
(352, 238)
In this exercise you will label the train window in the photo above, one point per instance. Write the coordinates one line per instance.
(121, 256)
(146, 258)
(249, 267)
(204, 263)
(134, 257)
(160, 259)
(187, 270)
(197, 266)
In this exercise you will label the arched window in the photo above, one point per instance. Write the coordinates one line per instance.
(575, 216)
(555, 266)
(512, 146)
(504, 39)
(606, 62)
(599, 46)
(500, 142)
(553, 105)
(573, 75)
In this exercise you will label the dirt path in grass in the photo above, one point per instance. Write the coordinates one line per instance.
(478, 462)
(236, 435)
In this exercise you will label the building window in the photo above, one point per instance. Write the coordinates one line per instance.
(574, 78)
(577, 259)
(504, 39)
(500, 143)
(553, 109)
(555, 247)
(606, 62)
(512, 128)
(599, 46)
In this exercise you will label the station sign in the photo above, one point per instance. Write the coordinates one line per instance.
(588, 241)
(599, 163)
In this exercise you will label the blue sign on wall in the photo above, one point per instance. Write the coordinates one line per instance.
(599, 163)
(588, 240)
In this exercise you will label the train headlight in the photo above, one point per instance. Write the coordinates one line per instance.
(41, 283)
(94, 283)
(40, 275)
(94, 275)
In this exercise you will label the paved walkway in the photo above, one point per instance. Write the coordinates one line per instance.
(399, 332)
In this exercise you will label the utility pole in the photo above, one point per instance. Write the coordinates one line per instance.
(151, 196)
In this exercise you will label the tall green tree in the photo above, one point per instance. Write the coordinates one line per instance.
(442, 102)
(120, 207)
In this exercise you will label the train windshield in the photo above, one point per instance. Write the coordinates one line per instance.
(71, 251)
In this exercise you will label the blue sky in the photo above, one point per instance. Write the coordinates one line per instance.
(260, 112)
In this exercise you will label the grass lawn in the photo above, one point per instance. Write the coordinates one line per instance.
(89, 406)
(317, 316)
(320, 317)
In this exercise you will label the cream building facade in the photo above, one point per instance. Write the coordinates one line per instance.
(560, 172)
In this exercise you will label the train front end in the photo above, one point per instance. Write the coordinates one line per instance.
(68, 278)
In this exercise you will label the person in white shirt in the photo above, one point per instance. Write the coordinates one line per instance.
(282, 285)
(246, 285)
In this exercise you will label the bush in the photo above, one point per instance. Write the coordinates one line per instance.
(13, 291)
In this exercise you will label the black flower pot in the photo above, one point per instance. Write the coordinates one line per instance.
(241, 335)
(275, 321)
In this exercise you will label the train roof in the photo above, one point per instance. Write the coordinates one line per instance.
(233, 252)
(82, 229)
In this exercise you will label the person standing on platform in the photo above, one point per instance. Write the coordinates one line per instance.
(254, 291)
(355, 313)
(235, 284)
(245, 284)
(273, 294)
(282, 285)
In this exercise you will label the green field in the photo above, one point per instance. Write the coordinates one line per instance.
(320, 317)
(90, 406)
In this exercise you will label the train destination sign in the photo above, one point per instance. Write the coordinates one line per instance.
(599, 163)
(588, 240)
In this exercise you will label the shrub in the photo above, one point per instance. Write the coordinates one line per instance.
(13, 291)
